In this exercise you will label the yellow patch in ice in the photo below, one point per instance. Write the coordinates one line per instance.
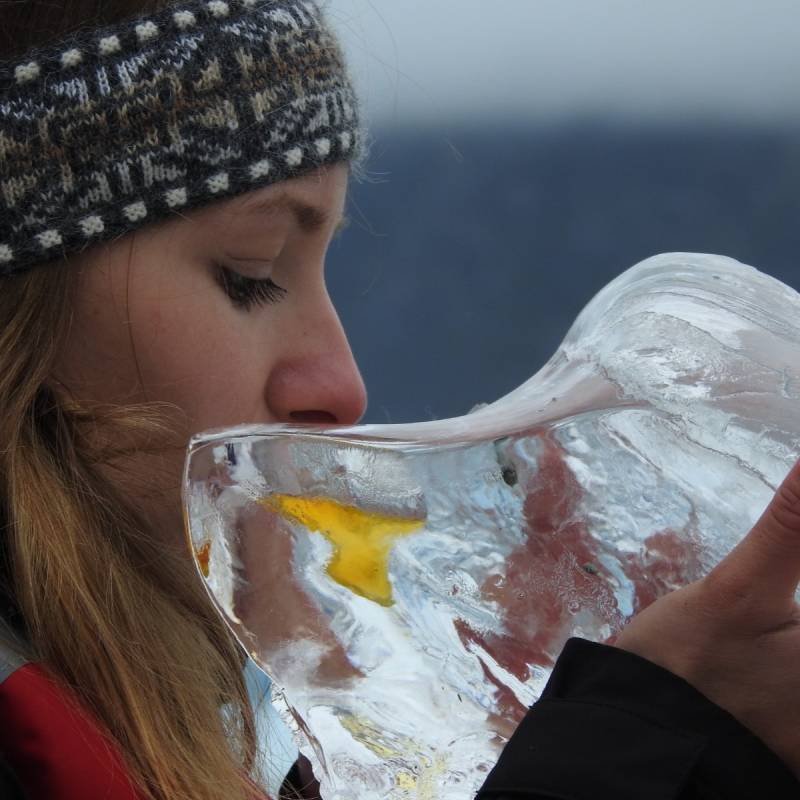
(370, 737)
(203, 556)
(419, 778)
(427, 787)
(405, 780)
(362, 540)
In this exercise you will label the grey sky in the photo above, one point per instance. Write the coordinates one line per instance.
(546, 59)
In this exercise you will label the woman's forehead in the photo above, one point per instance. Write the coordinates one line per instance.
(312, 199)
(312, 203)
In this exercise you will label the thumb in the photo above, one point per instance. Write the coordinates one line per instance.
(765, 565)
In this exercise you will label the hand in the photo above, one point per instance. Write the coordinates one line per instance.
(735, 635)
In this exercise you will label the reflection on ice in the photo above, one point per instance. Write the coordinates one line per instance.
(408, 587)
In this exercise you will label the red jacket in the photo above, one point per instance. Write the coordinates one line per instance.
(52, 744)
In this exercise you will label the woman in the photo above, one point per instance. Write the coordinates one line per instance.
(171, 178)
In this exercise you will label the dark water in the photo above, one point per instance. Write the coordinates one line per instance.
(472, 251)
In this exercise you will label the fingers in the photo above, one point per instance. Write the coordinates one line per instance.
(765, 565)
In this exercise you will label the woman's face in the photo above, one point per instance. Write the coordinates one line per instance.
(222, 313)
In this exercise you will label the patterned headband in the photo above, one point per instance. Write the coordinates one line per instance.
(116, 128)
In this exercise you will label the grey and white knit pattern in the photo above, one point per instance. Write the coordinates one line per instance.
(118, 128)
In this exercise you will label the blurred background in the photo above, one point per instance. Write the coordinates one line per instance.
(525, 152)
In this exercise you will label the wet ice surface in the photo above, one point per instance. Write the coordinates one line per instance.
(408, 587)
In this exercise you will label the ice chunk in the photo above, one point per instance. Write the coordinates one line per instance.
(408, 587)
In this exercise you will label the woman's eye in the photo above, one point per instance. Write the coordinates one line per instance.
(247, 292)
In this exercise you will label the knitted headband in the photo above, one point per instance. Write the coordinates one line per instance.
(116, 128)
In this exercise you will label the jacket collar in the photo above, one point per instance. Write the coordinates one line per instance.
(11, 651)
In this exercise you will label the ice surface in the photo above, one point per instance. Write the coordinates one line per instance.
(408, 587)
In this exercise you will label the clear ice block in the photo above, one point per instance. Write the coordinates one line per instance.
(408, 587)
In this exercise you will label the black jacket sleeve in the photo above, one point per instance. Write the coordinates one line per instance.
(612, 725)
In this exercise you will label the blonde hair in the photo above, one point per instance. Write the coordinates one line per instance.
(104, 604)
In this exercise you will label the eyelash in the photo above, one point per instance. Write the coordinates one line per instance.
(244, 292)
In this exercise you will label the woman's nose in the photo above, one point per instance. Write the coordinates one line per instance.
(317, 380)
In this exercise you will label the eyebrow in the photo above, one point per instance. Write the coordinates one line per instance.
(310, 219)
